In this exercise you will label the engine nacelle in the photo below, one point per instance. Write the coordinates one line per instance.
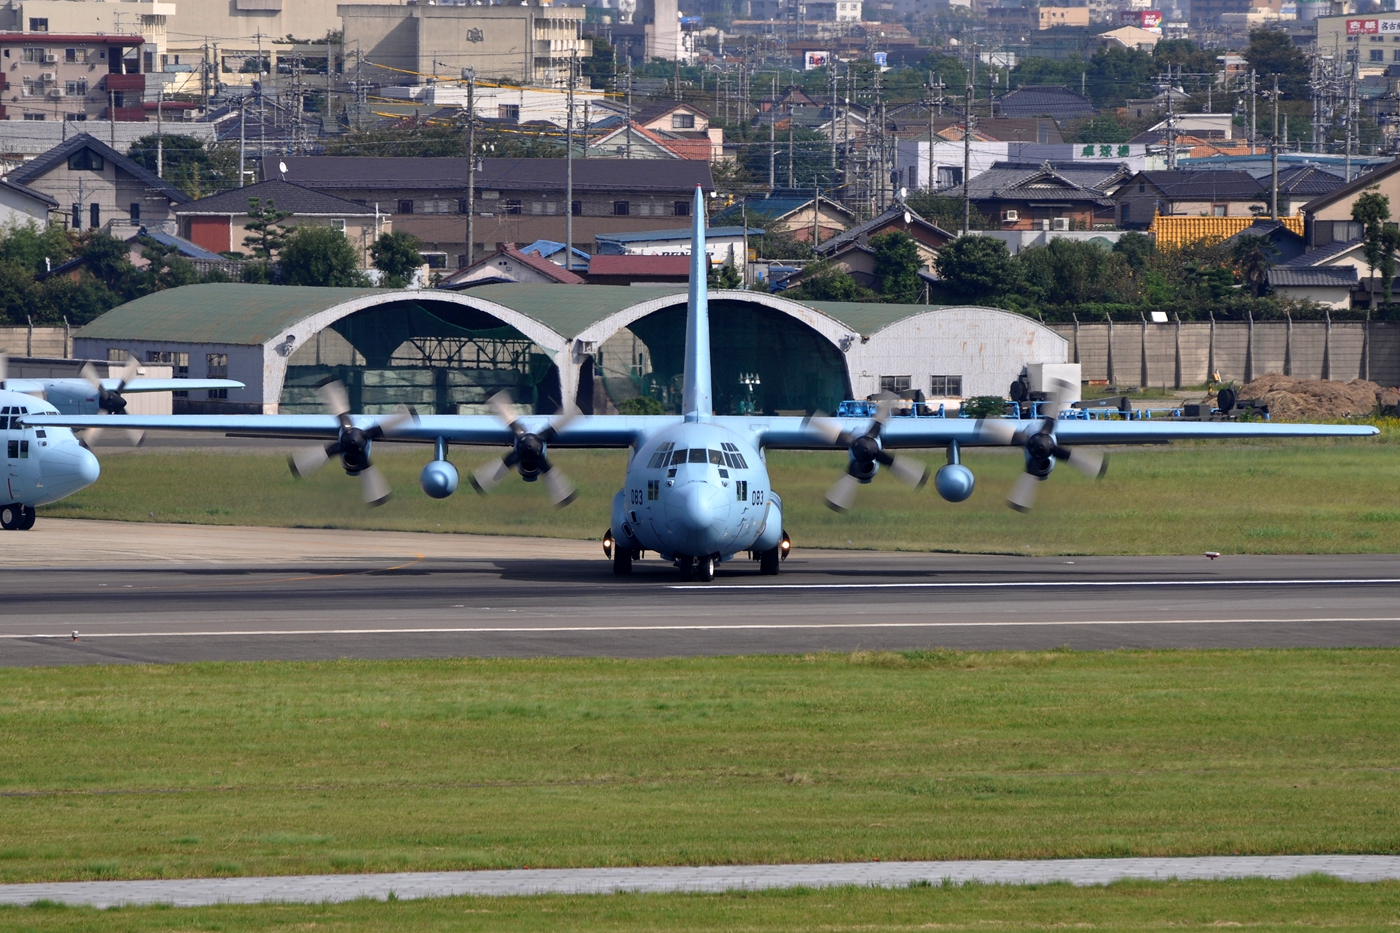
(438, 479)
(771, 535)
(622, 529)
(954, 482)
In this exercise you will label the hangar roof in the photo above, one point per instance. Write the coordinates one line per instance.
(242, 314)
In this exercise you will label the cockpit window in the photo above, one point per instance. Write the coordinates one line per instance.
(716, 457)
(697, 455)
(678, 457)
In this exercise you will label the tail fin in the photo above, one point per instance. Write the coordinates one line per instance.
(697, 403)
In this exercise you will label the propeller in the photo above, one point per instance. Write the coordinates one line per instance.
(1042, 450)
(111, 400)
(352, 446)
(866, 452)
(527, 456)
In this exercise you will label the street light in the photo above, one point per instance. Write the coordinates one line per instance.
(748, 381)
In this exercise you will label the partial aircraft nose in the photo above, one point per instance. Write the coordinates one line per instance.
(67, 468)
(699, 514)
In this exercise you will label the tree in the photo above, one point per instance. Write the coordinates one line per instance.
(829, 282)
(1071, 272)
(188, 165)
(945, 211)
(1136, 250)
(167, 267)
(396, 255)
(641, 405)
(976, 268)
(1372, 211)
(1272, 52)
(266, 235)
(724, 276)
(897, 267)
(320, 256)
(1253, 256)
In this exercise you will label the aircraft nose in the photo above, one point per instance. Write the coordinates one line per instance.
(697, 505)
(66, 469)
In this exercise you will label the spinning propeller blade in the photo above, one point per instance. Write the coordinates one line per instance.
(528, 455)
(352, 445)
(866, 451)
(1042, 450)
(1022, 496)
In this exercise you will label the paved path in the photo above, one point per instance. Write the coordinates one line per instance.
(196, 892)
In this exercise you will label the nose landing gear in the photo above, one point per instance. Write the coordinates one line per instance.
(16, 517)
(697, 568)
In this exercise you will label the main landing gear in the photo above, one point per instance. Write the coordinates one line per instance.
(769, 560)
(16, 517)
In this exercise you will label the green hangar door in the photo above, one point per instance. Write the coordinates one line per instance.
(436, 357)
(798, 370)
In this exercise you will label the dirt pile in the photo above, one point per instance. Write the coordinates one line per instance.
(1292, 399)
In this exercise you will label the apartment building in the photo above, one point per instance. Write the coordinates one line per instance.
(56, 76)
(149, 19)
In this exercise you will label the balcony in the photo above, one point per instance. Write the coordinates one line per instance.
(125, 83)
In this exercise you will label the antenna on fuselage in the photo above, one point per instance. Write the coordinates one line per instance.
(697, 401)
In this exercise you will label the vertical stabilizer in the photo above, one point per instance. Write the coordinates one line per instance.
(697, 403)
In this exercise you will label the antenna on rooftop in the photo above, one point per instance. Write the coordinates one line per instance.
(282, 169)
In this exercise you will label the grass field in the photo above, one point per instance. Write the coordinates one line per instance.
(237, 769)
(1307, 903)
(1295, 497)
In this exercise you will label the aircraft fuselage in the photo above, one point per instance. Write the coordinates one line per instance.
(41, 465)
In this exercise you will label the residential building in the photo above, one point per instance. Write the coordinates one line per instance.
(219, 222)
(1324, 286)
(665, 130)
(1327, 219)
(722, 244)
(1130, 38)
(1057, 102)
(97, 187)
(1037, 17)
(638, 269)
(516, 200)
(1017, 199)
(510, 265)
(799, 212)
(1287, 244)
(20, 205)
(74, 77)
(149, 19)
(928, 238)
(421, 44)
(1190, 194)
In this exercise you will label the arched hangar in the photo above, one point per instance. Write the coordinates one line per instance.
(448, 352)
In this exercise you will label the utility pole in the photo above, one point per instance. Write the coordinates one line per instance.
(629, 104)
(160, 132)
(791, 183)
(471, 166)
(772, 131)
(967, 161)
(831, 86)
(112, 117)
(262, 114)
(242, 137)
(1273, 155)
(1253, 110)
(569, 170)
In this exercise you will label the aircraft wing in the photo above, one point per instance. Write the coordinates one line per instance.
(790, 433)
(170, 385)
(585, 432)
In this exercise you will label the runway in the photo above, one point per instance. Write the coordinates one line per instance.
(166, 593)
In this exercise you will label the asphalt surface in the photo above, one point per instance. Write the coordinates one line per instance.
(153, 593)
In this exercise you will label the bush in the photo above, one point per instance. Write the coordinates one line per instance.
(984, 406)
(641, 405)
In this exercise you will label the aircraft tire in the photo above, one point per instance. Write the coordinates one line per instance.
(705, 568)
(11, 516)
(768, 562)
(687, 565)
(27, 516)
(622, 561)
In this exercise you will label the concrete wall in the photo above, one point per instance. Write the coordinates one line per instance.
(1185, 354)
(49, 342)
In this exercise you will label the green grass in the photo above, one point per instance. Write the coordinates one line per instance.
(1307, 903)
(1296, 497)
(288, 768)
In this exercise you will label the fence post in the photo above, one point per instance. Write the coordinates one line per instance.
(1249, 351)
(1366, 348)
(1288, 346)
(1177, 381)
(1143, 375)
(1111, 380)
(29, 337)
(1210, 350)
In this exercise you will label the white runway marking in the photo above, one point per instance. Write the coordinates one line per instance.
(1024, 584)
(727, 627)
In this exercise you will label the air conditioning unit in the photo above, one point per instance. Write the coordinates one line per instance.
(48, 77)
(1061, 223)
(1010, 217)
(55, 92)
(1043, 224)
(50, 58)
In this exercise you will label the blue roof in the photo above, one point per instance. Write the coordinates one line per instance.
(187, 249)
(546, 248)
(673, 234)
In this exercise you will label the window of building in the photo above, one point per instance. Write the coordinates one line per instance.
(338, 224)
(33, 56)
(75, 117)
(218, 393)
(621, 208)
(116, 355)
(38, 24)
(75, 56)
(576, 208)
(895, 384)
(513, 206)
(461, 205)
(216, 365)
(1395, 55)
(435, 260)
(35, 116)
(30, 87)
(945, 387)
(94, 215)
(1217, 210)
(135, 210)
(405, 207)
(1124, 210)
(85, 160)
(509, 112)
(682, 121)
(1378, 55)
(682, 208)
(75, 88)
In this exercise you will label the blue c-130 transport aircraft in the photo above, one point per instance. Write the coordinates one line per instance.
(697, 490)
